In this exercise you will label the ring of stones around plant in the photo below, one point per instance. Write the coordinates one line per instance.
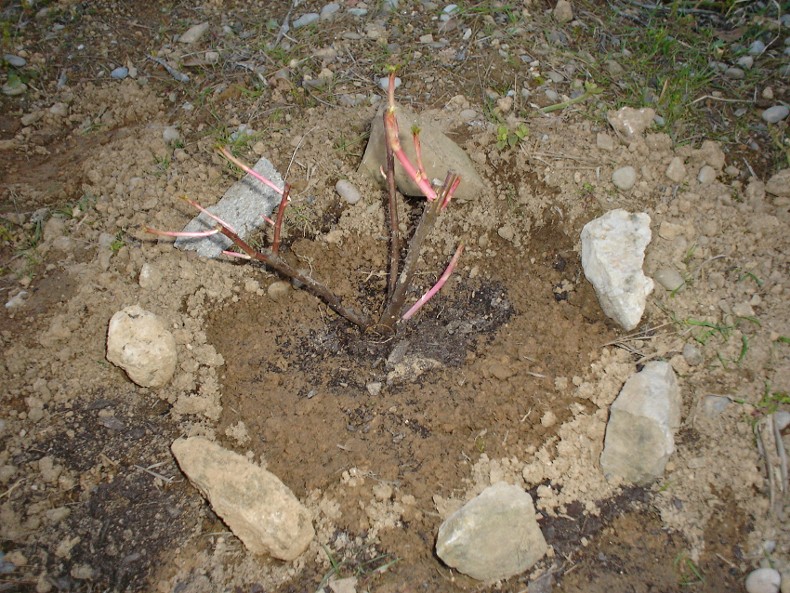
(504, 392)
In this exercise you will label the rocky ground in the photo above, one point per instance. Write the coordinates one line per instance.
(111, 114)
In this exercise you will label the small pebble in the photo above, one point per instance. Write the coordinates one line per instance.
(756, 48)
(624, 178)
(59, 109)
(775, 114)
(669, 278)
(306, 19)
(552, 95)
(193, 34)
(745, 62)
(14, 87)
(212, 57)
(706, 175)
(171, 134)
(14, 61)
(120, 73)
(563, 12)
(329, 10)
(734, 73)
(348, 191)
(374, 388)
(693, 354)
(763, 580)
(713, 405)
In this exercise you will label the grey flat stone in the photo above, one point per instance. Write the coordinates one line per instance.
(243, 207)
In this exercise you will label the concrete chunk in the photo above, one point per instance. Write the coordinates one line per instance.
(243, 207)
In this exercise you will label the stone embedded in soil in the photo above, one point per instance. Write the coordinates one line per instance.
(139, 343)
(706, 175)
(306, 19)
(613, 250)
(669, 278)
(631, 122)
(693, 355)
(775, 114)
(439, 155)
(348, 191)
(640, 434)
(563, 12)
(624, 178)
(242, 207)
(779, 184)
(763, 580)
(257, 507)
(494, 536)
(193, 34)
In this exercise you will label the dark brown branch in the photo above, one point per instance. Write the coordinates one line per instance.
(317, 289)
(389, 318)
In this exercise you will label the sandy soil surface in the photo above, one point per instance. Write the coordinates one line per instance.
(525, 364)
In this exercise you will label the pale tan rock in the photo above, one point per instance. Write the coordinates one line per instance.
(439, 155)
(139, 343)
(257, 507)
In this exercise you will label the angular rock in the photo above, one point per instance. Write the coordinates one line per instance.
(631, 122)
(243, 207)
(779, 184)
(676, 171)
(613, 250)
(439, 154)
(563, 12)
(493, 536)
(643, 420)
(193, 34)
(257, 507)
(139, 343)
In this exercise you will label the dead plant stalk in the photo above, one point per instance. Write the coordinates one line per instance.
(398, 283)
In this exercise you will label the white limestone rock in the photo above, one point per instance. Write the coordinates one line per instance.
(139, 343)
(493, 536)
(643, 420)
(259, 509)
(630, 122)
(613, 251)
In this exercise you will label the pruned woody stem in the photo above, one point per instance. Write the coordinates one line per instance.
(399, 282)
